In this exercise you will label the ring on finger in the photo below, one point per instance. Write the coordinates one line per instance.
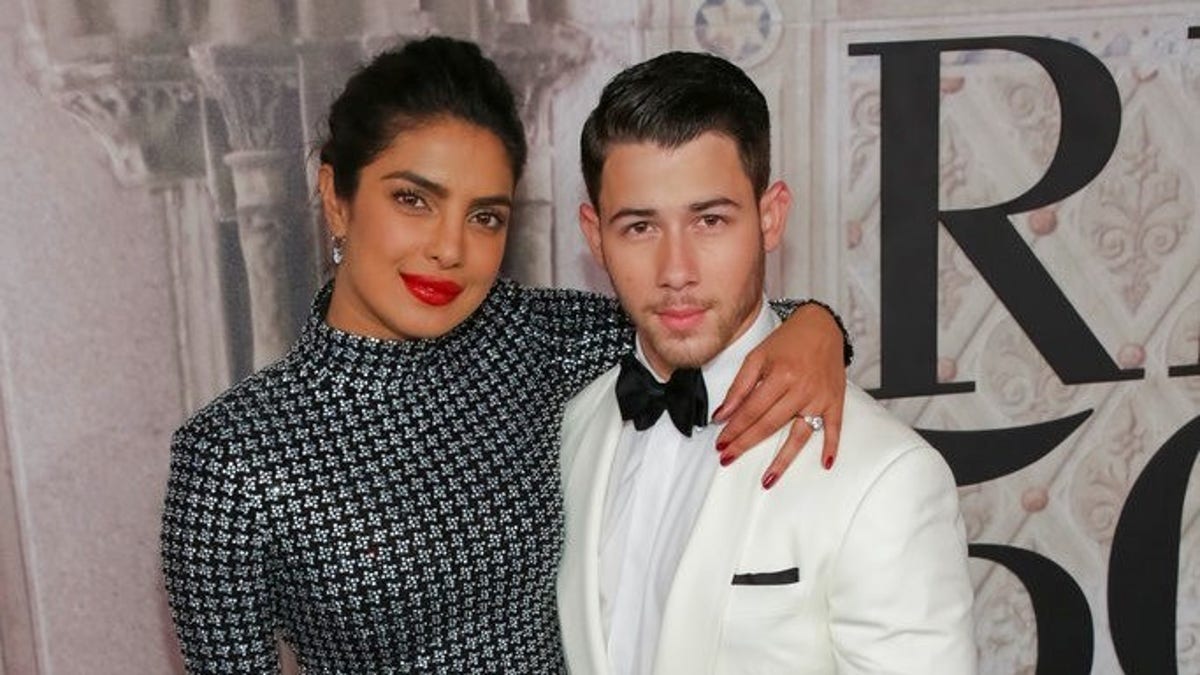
(814, 422)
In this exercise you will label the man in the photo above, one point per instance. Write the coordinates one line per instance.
(670, 565)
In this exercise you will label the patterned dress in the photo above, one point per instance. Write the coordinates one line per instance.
(386, 506)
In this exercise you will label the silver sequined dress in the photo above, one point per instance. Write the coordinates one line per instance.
(386, 506)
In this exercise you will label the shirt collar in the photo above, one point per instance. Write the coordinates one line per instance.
(720, 371)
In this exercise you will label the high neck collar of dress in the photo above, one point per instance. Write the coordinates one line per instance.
(323, 342)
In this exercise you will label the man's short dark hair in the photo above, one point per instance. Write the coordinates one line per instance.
(671, 100)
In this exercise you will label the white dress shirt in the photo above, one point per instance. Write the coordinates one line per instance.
(659, 480)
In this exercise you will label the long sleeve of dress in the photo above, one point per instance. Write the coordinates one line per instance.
(589, 332)
(212, 559)
(784, 308)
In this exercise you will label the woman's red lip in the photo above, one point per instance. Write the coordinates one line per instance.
(431, 290)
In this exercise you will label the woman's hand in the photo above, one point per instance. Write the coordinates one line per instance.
(797, 371)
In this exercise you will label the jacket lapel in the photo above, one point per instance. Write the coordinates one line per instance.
(691, 626)
(592, 443)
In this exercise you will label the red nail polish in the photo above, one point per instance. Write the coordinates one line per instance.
(726, 460)
(828, 463)
(769, 480)
(721, 445)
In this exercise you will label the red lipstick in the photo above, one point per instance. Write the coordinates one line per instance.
(431, 290)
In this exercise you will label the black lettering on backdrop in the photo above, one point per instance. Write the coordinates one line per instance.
(1143, 568)
(979, 455)
(1064, 622)
(909, 213)
(1144, 560)
(1091, 119)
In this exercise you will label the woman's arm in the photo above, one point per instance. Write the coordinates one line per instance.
(212, 563)
(799, 370)
(588, 331)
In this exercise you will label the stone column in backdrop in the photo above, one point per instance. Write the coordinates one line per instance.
(537, 57)
(251, 70)
(122, 70)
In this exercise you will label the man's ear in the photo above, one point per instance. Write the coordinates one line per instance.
(773, 209)
(589, 225)
(337, 216)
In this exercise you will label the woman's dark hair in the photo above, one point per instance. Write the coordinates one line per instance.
(406, 87)
(672, 99)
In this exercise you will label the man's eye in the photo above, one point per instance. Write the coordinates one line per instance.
(710, 220)
(640, 227)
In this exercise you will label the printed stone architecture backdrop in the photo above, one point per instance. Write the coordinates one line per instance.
(160, 241)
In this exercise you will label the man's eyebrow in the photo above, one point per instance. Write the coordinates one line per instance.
(632, 212)
(710, 203)
(421, 181)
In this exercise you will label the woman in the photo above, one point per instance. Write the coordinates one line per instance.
(385, 498)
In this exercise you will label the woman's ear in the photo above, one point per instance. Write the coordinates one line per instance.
(337, 211)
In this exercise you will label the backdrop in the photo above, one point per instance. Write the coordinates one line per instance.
(1000, 196)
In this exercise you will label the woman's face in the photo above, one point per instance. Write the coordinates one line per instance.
(424, 234)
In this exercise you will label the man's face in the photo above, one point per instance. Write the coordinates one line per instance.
(683, 240)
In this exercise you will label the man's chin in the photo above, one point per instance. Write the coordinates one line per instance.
(690, 351)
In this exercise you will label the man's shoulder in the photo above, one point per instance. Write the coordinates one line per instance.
(885, 473)
(874, 442)
(865, 422)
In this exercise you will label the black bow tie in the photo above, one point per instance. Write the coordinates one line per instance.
(643, 398)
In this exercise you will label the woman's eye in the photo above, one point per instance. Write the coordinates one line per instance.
(410, 199)
(489, 220)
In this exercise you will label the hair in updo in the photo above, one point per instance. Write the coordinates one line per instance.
(404, 88)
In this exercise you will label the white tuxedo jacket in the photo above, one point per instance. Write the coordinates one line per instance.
(862, 569)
